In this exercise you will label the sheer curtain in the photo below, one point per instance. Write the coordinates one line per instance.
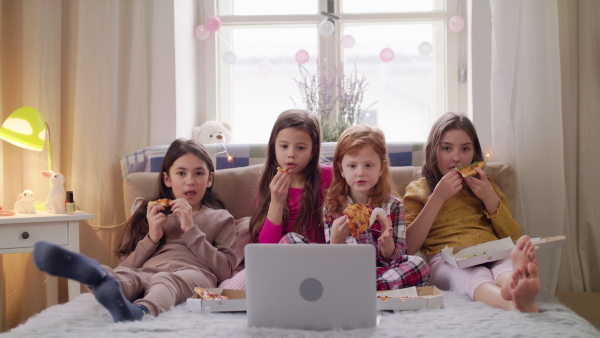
(532, 130)
(84, 65)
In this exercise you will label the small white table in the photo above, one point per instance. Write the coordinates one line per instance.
(19, 233)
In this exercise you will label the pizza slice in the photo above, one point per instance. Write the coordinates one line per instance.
(469, 170)
(164, 202)
(359, 216)
(206, 294)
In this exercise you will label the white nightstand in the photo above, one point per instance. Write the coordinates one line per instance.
(19, 233)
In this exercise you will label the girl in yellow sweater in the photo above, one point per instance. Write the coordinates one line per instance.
(445, 209)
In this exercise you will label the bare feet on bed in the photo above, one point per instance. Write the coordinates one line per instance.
(522, 254)
(525, 286)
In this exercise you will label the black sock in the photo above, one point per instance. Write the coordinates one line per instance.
(60, 262)
(109, 294)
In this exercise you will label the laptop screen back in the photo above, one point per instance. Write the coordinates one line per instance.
(310, 286)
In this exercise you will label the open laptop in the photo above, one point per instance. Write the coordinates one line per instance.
(311, 286)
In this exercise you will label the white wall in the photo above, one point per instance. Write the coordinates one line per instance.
(173, 98)
(185, 69)
(480, 71)
(162, 124)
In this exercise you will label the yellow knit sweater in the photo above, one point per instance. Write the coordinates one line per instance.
(463, 219)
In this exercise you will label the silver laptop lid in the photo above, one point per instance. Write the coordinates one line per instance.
(311, 286)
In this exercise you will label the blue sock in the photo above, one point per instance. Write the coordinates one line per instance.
(109, 294)
(60, 262)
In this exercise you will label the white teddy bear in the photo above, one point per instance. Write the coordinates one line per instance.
(213, 132)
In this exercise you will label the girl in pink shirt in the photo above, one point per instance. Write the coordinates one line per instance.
(291, 188)
(290, 198)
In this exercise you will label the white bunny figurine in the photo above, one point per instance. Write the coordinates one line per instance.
(24, 203)
(55, 203)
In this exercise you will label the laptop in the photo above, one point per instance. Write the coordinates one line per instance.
(311, 286)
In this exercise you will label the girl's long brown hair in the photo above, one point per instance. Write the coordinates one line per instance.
(137, 225)
(351, 141)
(310, 209)
(446, 122)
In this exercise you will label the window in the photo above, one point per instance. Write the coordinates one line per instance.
(253, 65)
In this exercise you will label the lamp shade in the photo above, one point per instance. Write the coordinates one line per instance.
(25, 128)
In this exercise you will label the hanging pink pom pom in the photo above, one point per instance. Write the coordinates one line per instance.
(456, 23)
(265, 68)
(213, 23)
(201, 33)
(348, 41)
(302, 56)
(386, 55)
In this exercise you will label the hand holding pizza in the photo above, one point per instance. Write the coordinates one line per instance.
(340, 229)
(279, 186)
(448, 186)
(482, 188)
(155, 218)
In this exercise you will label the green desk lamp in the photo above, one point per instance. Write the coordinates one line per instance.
(26, 128)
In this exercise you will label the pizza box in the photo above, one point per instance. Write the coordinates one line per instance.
(235, 303)
(493, 251)
(426, 297)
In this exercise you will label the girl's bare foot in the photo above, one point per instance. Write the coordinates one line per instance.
(523, 252)
(526, 288)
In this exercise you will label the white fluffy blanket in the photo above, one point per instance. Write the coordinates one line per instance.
(460, 317)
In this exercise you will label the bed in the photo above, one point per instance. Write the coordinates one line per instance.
(460, 317)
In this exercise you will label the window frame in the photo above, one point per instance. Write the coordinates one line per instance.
(216, 103)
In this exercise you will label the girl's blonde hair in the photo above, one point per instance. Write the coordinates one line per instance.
(310, 208)
(351, 141)
(446, 122)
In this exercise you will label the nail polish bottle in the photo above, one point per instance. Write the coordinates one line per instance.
(70, 203)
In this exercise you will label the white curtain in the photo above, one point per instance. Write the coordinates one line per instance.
(83, 64)
(580, 70)
(532, 132)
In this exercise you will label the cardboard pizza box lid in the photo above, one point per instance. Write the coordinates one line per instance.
(235, 303)
(426, 297)
(487, 256)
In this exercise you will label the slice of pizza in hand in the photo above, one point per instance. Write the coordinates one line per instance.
(164, 202)
(206, 294)
(469, 170)
(359, 216)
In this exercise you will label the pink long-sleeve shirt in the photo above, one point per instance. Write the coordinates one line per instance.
(272, 233)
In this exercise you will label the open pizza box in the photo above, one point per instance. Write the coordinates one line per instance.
(413, 298)
(235, 303)
(462, 257)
